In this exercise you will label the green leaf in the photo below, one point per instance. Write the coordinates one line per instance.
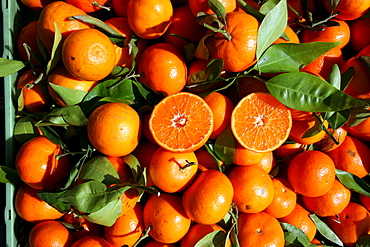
(314, 130)
(68, 95)
(357, 115)
(335, 77)
(224, 146)
(202, 51)
(346, 78)
(288, 57)
(73, 115)
(325, 231)
(100, 169)
(217, 7)
(107, 215)
(267, 6)
(294, 236)
(52, 199)
(151, 96)
(272, 27)
(213, 239)
(52, 135)
(353, 182)
(214, 69)
(363, 241)
(9, 66)
(134, 165)
(250, 10)
(8, 175)
(56, 49)
(339, 118)
(306, 92)
(25, 129)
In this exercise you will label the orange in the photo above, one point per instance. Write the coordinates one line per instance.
(246, 157)
(183, 24)
(153, 66)
(358, 87)
(61, 77)
(50, 233)
(311, 173)
(299, 115)
(120, 7)
(352, 156)
(91, 241)
(28, 35)
(364, 201)
(284, 199)
(153, 243)
(181, 122)
(300, 218)
(197, 232)
(259, 229)
(327, 144)
(38, 165)
(361, 130)
(245, 86)
(36, 5)
(206, 160)
(145, 117)
(89, 5)
(88, 54)
(222, 108)
(358, 40)
(172, 172)
(299, 129)
(127, 229)
(349, 9)
(59, 12)
(83, 227)
(259, 116)
(267, 162)
(323, 64)
(292, 37)
(288, 150)
(253, 188)
(350, 224)
(331, 203)
(149, 19)
(31, 208)
(340, 33)
(165, 214)
(34, 98)
(114, 129)
(197, 6)
(364, 52)
(240, 52)
(209, 197)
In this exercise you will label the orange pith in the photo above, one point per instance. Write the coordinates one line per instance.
(181, 123)
(261, 123)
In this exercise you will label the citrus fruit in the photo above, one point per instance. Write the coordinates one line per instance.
(197, 6)
(197, 232)
(358, 40)
(50, 233)
(290, 34)
(245, 86)
(348, 9)
(256, 117)
(253, 188)
(358, 86)
(361, 130)
(206, 160)
(120, 7)
(28, 35)
(299, 132)
(81, 226)
(91, 241)
(153, 243)
(114, 129)
(311, 173)
(88, 54)
(36, 5)
(89, 6)
(181, 122)
(208, 198)
(246, 157)
(327, 144)
(267, 162)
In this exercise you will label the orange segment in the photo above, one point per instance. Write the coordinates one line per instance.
(260, 122)
(181, 122)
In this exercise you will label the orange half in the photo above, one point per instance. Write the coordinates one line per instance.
(181, 122)
(260, 122)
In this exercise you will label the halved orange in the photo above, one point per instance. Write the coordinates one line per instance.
(181, 122)
(260, 122)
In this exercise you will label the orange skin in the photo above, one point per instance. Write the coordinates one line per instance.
(284, 199)
(327, 144)
(361, 130)
(31, 208)
(146, 130)
(288, 150)
(246, 157)
(352, 156)
(153, 243)
(364, 201)
(206, 160)
(172, 172)
(88, 5)
(222, 108)
(349, 10)
(197, 6)
(58, 12)
(236, 54)
(127, 229)
(36, 5)
(299, 217)
(259, 229)
(301, 115)
(292, 36)
(89, 228)
(41, 169)
(267, 162)
(91, 241)
(149, 19)
(311, 173)
(299, 128)
(88, 55)
(28, 35)
(358, 86)
(157, 57)
(358, 40)
(114, 129)
(331, 203)
(350, 224)
(253, 188)
(208, 198)
(61, 77)
(197, 232)
(50, 233)
(120, 7)
(167, 218)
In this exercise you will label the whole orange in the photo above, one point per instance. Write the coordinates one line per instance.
(349, 9)
(165, 214)
(88, 54)
(358, 40)
(38, 165)
(358, 86)
(50, 233)
(209, 197)
(239, 53)
(246, 157)
(114, 129)
(253, 188)
(311, 173)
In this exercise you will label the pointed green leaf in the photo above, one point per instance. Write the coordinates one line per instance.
(213, 239)
(107, 215)
(73, 115)
(25, 129)
(217, 7)
(52, 135)
(357, 115)
(68, 95)
(225, 146)
(52, 199)
(325, 231)
(250, 10)
(335, 77)
(339, 118)
(9, 66)
(100, 169)
(353, 182)
(306, 92)
(56, 49)
(267, 6)
(8, 175)
(214, 69)
(363, 241)
(294, 236)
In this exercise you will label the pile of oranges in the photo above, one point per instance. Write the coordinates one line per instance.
(180, 123)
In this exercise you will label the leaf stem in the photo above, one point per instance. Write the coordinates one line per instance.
(217, 30)
(325, 129)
